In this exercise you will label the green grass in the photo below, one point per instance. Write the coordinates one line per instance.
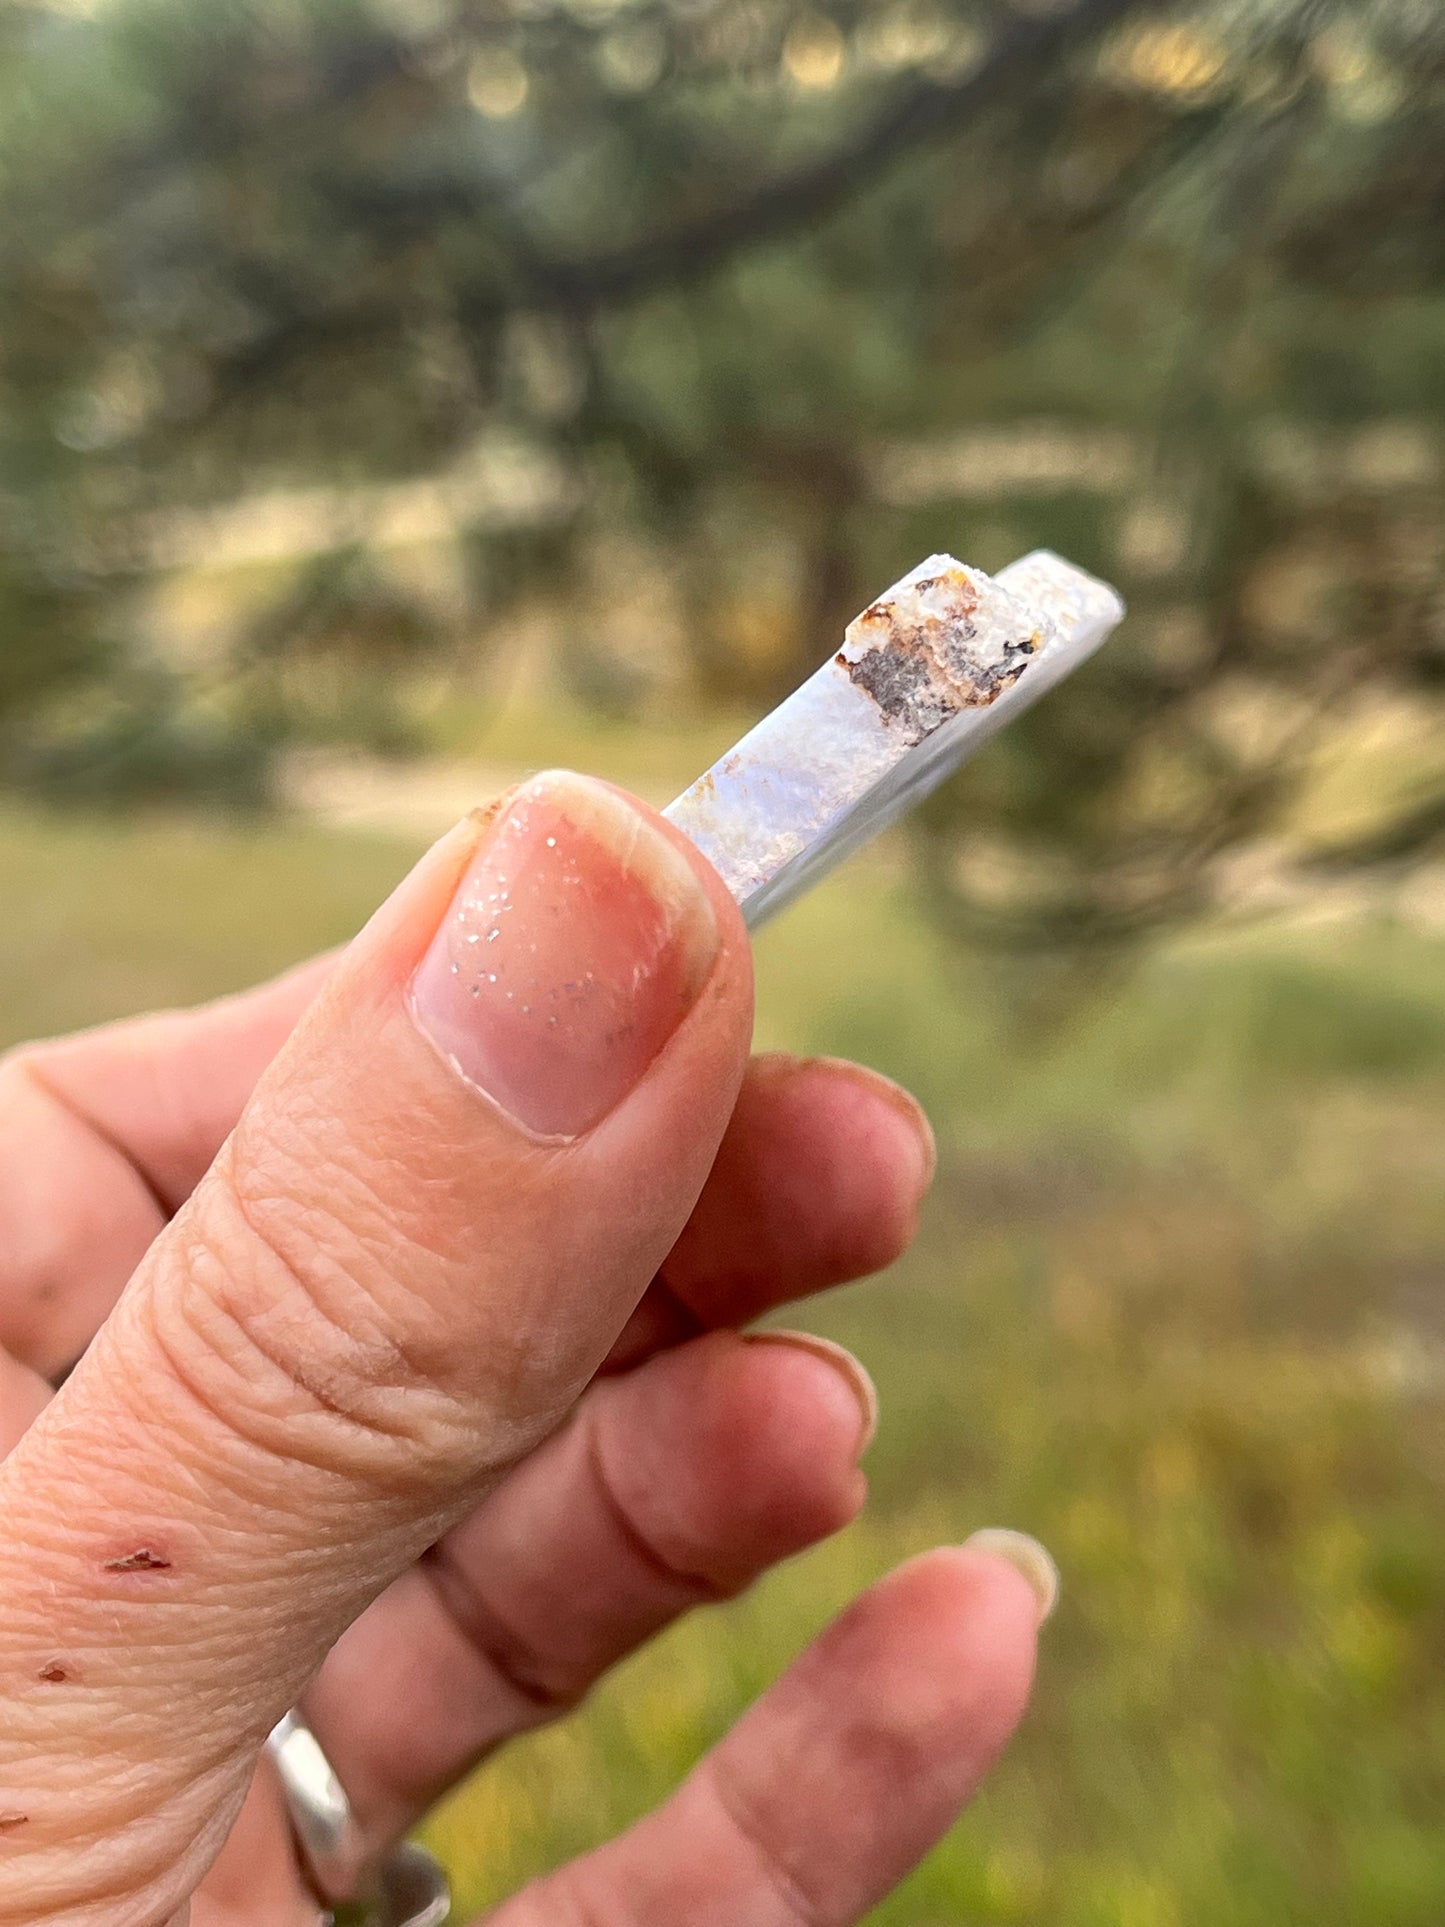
(524, 728)
(1177, 1308)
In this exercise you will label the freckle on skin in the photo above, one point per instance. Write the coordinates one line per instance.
(143, 1560)
(54, 1673)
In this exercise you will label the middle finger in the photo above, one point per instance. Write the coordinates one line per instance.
(674, 1485)
(817, 1180)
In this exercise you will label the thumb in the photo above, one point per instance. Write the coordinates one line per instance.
(429, 1226)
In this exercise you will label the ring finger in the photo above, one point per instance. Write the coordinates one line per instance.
(674, 1485)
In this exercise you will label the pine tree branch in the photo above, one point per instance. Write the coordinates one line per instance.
(923, 112)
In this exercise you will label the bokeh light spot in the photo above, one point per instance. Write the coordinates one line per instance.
(497, 83)
(814, 52)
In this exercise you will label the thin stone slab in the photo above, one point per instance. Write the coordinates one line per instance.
(926, 675)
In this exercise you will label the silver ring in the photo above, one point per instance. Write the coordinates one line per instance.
(406, 1889)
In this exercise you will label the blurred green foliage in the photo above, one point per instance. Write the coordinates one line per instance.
(348, 347)
(1175, 1309)
(684, 325)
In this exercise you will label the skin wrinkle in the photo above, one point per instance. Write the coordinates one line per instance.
(208, 1641)
(497, 1644)
(332, 1250)
(125, 1694)
(379, 1196)
(388, 1494)
(421, 1102)
(122, 1860)
(323, 1373)
(309, 1569)
(129, 1801)
(109, 1785)
(363, 1225)
(131, 1633)
(398, 1360)
(639, 1543)
(182, 1376)
(514, 1655)
(288, 1445)
(192, 1486)
(725, 1790)
(377, 1419)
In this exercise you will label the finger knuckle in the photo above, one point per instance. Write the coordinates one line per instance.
(773, 1853)
(270, 1319)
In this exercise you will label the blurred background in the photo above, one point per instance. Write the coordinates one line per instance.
(396, 395)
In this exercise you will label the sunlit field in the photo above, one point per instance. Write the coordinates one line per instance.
(1177, 1309)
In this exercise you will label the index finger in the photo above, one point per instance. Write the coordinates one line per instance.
(103, 1136)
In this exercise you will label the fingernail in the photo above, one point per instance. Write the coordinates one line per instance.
(574, 946)
(1034, 1561)
(844, 1364)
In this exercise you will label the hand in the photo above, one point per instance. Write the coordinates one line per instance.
(424, 1402)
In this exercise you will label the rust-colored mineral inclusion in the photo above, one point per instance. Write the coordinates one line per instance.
(937, 643)
(926, 674)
